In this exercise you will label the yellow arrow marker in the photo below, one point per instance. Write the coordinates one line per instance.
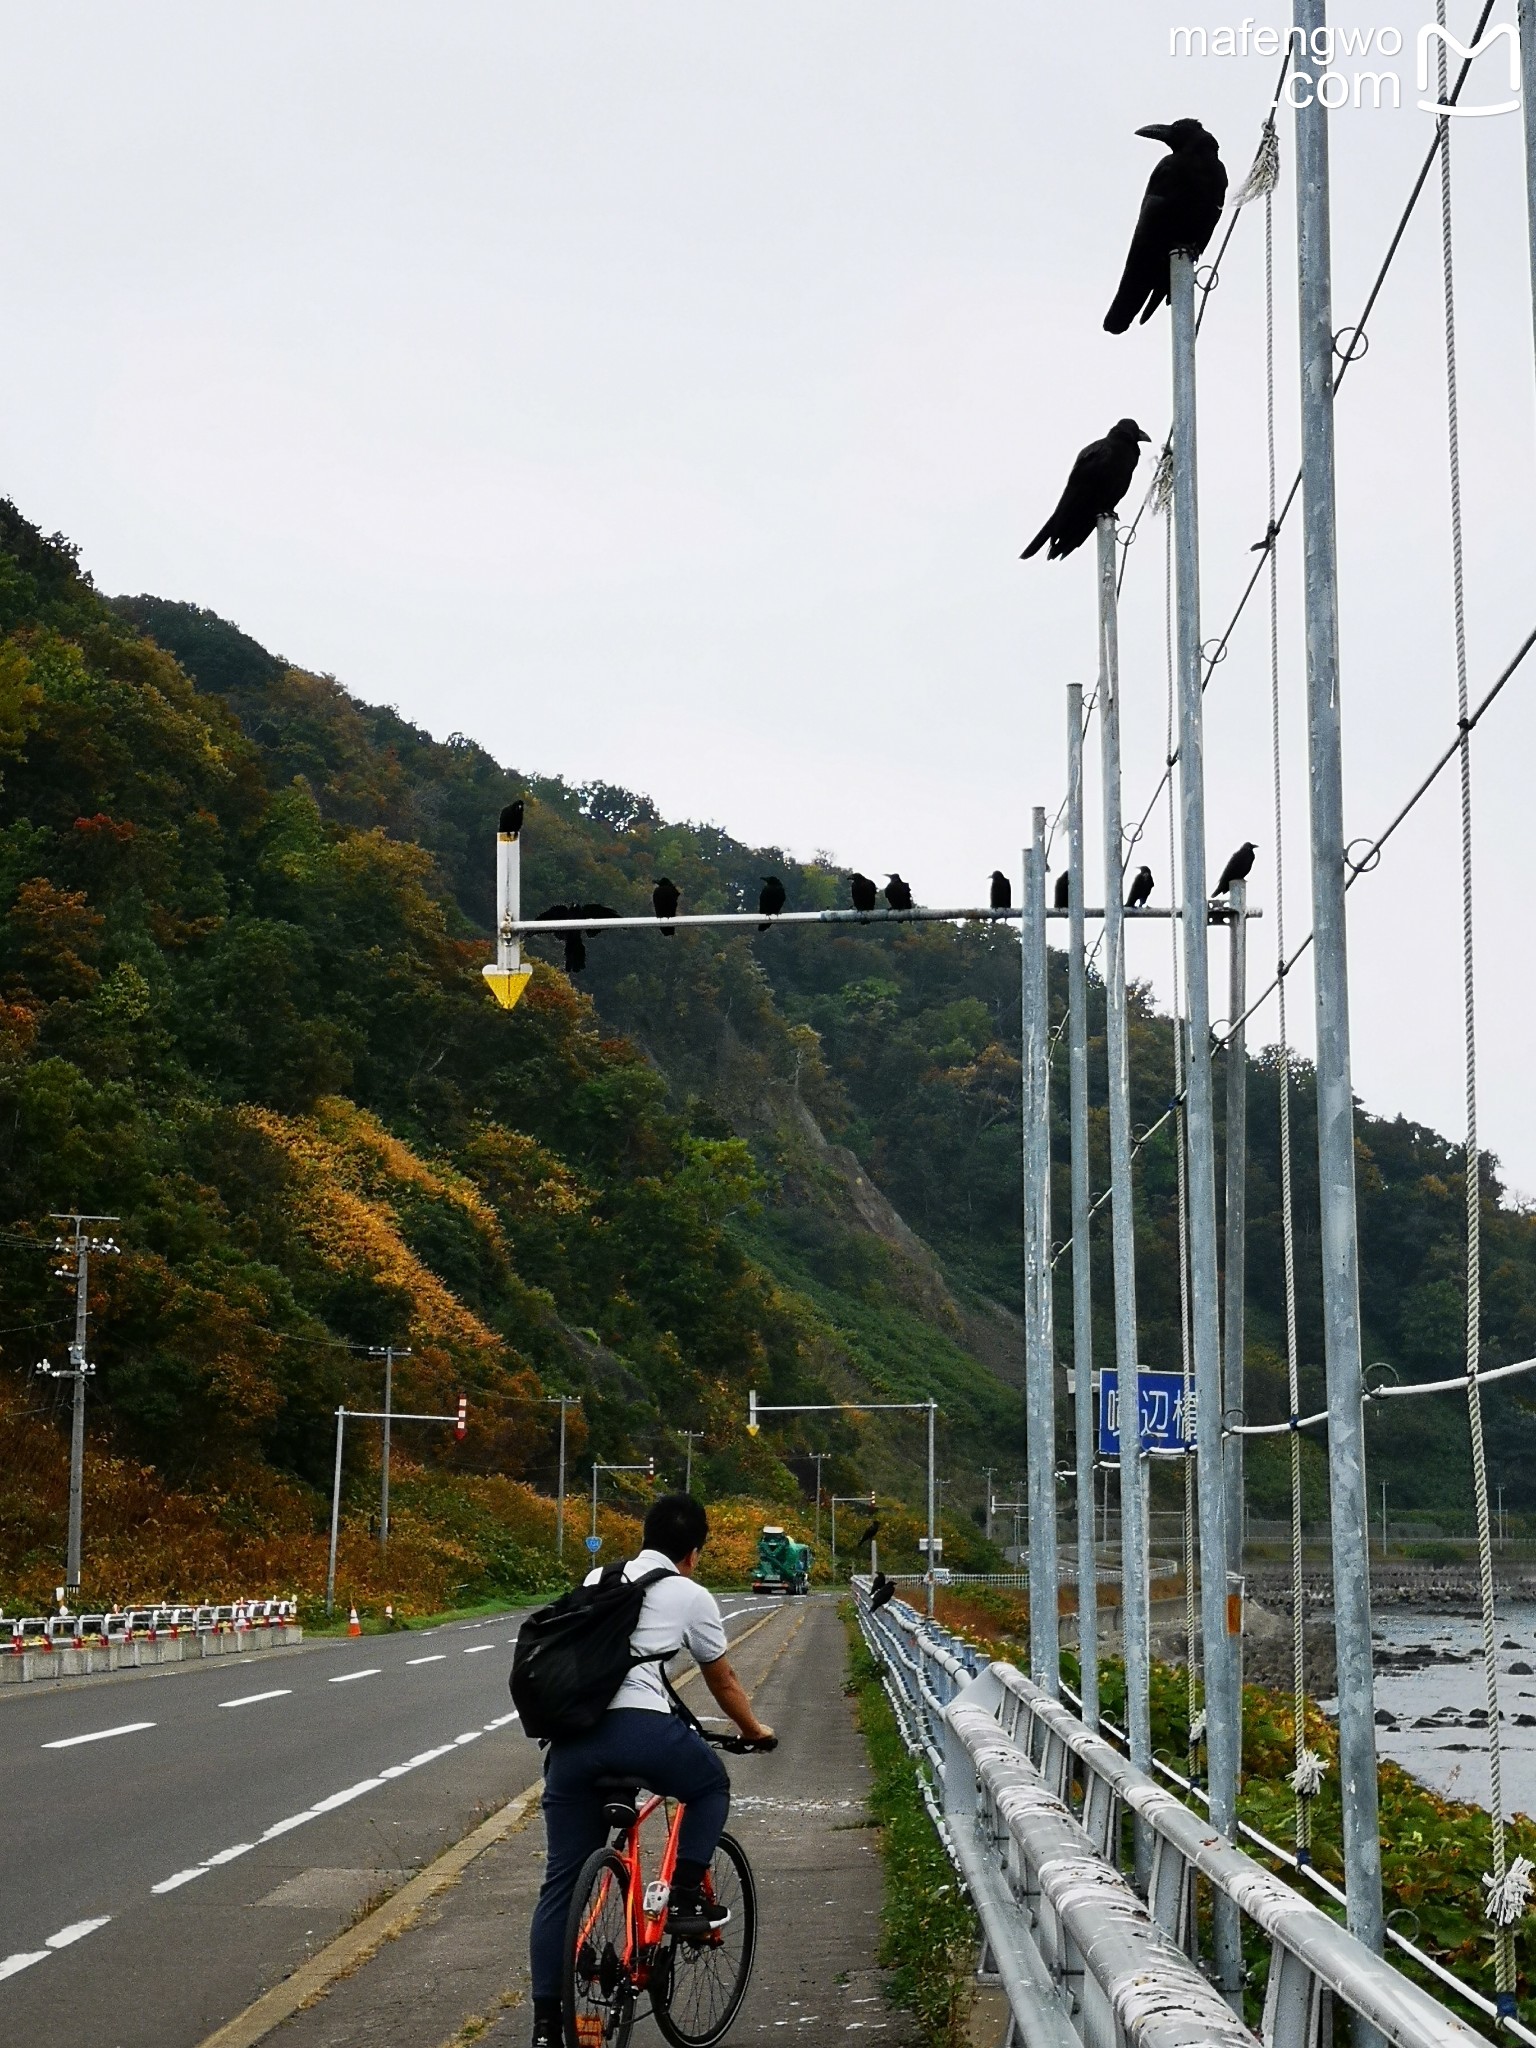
(507, 984)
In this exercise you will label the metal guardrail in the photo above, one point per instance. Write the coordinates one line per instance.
(1048, 1824)
(66, 1630)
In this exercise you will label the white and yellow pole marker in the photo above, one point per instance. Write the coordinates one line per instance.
(507, 975)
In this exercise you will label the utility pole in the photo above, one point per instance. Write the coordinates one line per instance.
(81, 1244)
(820, 1458)
(989, 1473)
(692, 1436)
(1339, 1237)
(562, 1401)
(649, 1468)
(1039, 1348)
(1082, 1284)
(389, 1354)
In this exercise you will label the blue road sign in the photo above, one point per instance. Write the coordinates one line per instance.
(1167, 1420)
(594, 1544)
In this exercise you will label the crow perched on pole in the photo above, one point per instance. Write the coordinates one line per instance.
(1002, 891)
(772, 899)
(897, 893)
(665, 898)
(1063, 898)
(1183, 203)
(575, 950)
(1141, 889)
(1237, 869)
(1100, 478)
(864, 892)
(511, 821)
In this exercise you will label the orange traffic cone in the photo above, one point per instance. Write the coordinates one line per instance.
(354, 1626)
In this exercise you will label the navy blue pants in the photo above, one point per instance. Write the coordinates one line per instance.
(666, 1755)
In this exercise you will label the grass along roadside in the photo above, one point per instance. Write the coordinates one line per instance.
(928, 1933)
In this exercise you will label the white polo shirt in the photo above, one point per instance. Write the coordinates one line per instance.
(676, 1614)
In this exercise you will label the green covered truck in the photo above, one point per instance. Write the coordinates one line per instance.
(783, 1565)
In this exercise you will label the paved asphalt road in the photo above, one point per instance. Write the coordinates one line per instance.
(144, 1815)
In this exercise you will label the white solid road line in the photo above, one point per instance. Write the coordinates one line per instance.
(254, 1699)
(475, 1649)
(438, 1657)
(100, 1735)
(501, 1721)
(346, 1677)
(77, 1931)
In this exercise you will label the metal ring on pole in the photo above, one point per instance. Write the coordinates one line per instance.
(1214, 651)
(1389, 1377)
(1207, 277)
(1356, 349)
(1368, 862)
(1125, 535)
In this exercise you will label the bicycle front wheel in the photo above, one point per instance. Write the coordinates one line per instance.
(599, 2000)
(700, 1983)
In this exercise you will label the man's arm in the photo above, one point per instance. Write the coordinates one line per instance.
(732, 1700)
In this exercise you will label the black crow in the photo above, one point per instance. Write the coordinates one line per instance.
(1180, 211)
(897, 893)
(1237, 869)
(772, 899)
(575, 951)
(1141, 889)
(1063, 899)
(884, 1592)
(864, 892)
(593, 910)
(512, 819)
(665, 898)
(868, 1536)
(1100, 478)
(1002, 890)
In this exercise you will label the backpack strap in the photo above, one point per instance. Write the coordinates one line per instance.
(660, 1658)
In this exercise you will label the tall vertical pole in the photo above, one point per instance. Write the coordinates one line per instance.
(1082, 1277)
(1525, 11)
(1199, 1113)
(989, 1473)
(834, 1537)
(594, 1498)
(1335, 1100)
(1039, 1363)
(932, 1529)
(389, 1409)
(560, 1486)
(1134, 1613)
(330, 1569)
(72, 1566)
(1236, 1273)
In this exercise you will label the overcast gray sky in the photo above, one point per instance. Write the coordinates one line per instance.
(663, 394)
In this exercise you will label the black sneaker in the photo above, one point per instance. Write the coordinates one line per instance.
(692, 1916)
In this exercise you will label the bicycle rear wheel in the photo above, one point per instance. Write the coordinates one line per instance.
(599, 1990)
(699, 1985)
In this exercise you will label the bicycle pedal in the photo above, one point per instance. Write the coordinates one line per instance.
(657, 1893)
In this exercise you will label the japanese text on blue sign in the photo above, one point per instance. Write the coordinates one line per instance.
(1167, 1416)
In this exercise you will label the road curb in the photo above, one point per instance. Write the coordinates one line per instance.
(355, 1947)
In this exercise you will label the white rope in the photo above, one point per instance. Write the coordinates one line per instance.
(1306, 1781)
(1506, 1900)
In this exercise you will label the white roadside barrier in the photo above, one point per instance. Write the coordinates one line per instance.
(71, 1645)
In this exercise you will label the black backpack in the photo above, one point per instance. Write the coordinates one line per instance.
(572, 1656)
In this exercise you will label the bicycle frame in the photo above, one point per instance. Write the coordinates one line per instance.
(644, 1930)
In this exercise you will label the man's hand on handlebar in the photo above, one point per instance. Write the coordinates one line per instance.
(745, 1745)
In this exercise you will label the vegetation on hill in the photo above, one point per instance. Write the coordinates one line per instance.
(242, 916)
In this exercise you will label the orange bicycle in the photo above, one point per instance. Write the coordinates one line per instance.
(617, 1948)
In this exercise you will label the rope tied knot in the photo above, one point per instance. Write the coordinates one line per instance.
(1306, 1781)
(1509, 1895)
(1197, 1729)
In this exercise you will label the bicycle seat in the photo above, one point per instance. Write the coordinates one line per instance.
(621, 1800)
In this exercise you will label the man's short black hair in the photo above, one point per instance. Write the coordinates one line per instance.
(675, 1525)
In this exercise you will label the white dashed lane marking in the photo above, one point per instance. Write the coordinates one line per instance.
(254, 1699)
(99, 1735)
(437, 1657)
(346, 1677)
(475, 1649)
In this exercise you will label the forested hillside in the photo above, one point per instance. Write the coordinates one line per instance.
(242, 915)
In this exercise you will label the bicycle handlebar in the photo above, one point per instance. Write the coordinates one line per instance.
(740, 1745)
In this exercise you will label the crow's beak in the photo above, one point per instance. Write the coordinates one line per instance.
(1141, 436)
(1157, 133)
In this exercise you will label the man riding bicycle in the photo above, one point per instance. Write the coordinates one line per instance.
(643, 1737)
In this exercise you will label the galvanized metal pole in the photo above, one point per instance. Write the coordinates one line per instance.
(1039, 1359)
(932, 1531)
(330, 1569)
(560, 1486)
(1525, 11)
(1082, 1279)
(1199, 1112)
(1134, 1612)
(1348, 1506)
(73, 1551)
(1236, 1270)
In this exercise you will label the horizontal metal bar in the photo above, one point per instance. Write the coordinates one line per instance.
(1456, 1385)
(394, 1415)
(846, 1408)
(1275, 1428)
(526, 927)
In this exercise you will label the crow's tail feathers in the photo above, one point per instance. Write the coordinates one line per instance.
(1038, 542)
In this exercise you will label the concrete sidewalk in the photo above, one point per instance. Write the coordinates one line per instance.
(460, 1973)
